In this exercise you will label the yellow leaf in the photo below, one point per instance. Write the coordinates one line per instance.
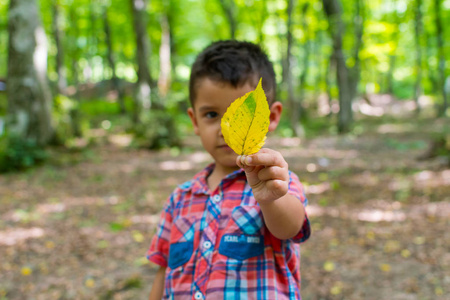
(137, 236)
(385, 267)
(334, 242)
(50, 244)
(90, 283)
(26, 271)
(246, 122)
(391, 246)
(370, 235)
(328, 266)
(141, 261)
(337, 288)
(419, 240)
(406, 253)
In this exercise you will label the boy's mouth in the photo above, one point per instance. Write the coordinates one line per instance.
(225, 147)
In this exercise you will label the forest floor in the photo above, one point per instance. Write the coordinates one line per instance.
(79, 227)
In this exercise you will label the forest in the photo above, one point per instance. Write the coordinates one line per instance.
(94, 136)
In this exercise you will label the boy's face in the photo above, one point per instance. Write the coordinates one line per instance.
(210, 104)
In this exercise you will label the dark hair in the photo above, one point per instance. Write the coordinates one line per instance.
(235, 62)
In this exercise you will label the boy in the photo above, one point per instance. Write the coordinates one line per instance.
(232, 232)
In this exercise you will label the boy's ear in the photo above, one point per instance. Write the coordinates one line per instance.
(275, 115)
(191, 114)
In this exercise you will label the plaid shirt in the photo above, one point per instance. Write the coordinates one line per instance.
(215, 244)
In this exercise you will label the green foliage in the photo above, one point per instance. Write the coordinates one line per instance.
(388, 53)
(403, 90)
(67, 117)
(103, 107)
(313, 125)
(3, 103)
(440, 147)
(18, 154)
(405, 146)
(3, 38)
(157, 131)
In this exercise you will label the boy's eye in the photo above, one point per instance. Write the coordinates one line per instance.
(211, 114)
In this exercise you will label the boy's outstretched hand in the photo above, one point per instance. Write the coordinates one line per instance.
(267, 174)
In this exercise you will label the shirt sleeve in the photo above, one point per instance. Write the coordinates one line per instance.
(296, 189)
(158, 252)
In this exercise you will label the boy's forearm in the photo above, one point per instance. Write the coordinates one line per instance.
(157, 291)
(284, 217)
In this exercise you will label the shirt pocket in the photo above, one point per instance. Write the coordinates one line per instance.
(181, 241)
(243, 238)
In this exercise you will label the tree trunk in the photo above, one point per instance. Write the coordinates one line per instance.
(393, 55)
(294, 104)
(74, 112)
(441, 56)
(316, 49)
(112, 62)
(60, 67)
(431, 74)
(355, 71)
(142, 93)
(164, 58)
(418, 33)
(92, 46)
(306, 56)
(229, 8)
(29, 96)
(328, 82)
(333, 12)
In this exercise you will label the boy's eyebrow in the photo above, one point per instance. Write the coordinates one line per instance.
(206, 108)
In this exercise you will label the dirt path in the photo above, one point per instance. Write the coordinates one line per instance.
(79, 228)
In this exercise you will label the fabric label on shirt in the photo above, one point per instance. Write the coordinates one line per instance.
(180, 253)
(241, 246)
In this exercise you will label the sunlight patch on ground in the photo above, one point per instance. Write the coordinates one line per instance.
(432, 179)
(173, 165)
(145, 219)
(121, 140)
(199, 157)
(365, 178)
(321, 154)
(20, 215)
(374, 215)
(290, 142)
(314, 210)
(368, 215)
(50, 208)
(318, 188)
(184, 165)
(370, 110)
(13, 236)
(394, 128)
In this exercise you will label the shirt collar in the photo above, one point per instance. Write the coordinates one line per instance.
(199, 184)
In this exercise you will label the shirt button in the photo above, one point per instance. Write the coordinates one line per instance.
(207, 245)
(216, 198)
(198, 295)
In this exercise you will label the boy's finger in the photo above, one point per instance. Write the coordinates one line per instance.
(241, 162)
(266, 159)
(273, 173)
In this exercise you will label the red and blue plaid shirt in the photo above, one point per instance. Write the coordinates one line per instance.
(215, 244)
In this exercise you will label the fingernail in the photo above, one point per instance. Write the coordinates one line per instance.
(249, 160)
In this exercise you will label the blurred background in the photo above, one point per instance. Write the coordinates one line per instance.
(94, 136)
